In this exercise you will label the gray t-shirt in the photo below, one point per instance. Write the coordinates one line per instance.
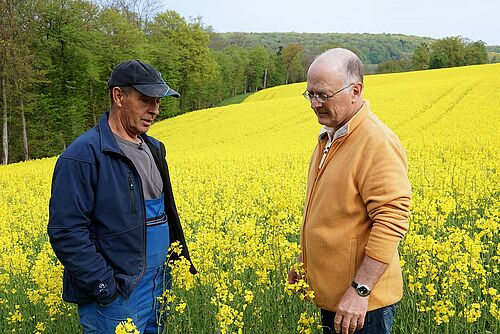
(141, 157)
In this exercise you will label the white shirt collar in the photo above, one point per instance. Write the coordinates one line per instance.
(332, 134)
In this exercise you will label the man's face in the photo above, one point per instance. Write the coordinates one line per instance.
(138, 112)
(336, 111)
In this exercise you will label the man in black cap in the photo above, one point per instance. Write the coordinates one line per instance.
(112, 211)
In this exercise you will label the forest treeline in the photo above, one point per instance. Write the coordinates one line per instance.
(56, 57)
(446, 52)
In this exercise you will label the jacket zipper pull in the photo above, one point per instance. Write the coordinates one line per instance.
(130, 182)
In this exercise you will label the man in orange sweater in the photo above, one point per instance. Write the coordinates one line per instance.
(357, 203)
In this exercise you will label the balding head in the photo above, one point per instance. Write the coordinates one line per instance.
(341, 62)
(335, 87)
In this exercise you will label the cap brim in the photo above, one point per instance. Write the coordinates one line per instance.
(156, 90)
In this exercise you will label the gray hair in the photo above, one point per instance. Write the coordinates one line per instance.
(125, 89)
(346, 62)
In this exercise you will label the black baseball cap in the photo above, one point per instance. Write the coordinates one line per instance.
(143, 77)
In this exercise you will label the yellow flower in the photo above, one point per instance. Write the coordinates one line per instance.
(126, 327)
(248, 296)
(473, 313)
(40, 327)
(305, 323)
(180, 307)
(431, 291)
(495, 310)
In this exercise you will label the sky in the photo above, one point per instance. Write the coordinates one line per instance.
(473, 19)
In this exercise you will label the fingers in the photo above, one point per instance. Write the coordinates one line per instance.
(292, 276)
(352, 326)
(347, 324)
(361, 323)
(337, 322)
(351, 311)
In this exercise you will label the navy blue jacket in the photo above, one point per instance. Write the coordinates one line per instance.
(97, 224)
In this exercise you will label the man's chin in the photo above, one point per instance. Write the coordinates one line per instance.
(323, 120)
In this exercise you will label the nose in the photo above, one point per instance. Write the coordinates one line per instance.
(155, 107)
(315, 103)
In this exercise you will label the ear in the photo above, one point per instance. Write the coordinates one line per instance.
(117, 95)
(357, 91)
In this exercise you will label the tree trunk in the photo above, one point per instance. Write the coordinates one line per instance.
(23, 122)
(265, 78)
(25, 133)
(5, 137)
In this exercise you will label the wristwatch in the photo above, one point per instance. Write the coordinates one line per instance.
(362, 289)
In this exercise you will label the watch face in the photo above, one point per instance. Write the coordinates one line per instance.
(363, 290)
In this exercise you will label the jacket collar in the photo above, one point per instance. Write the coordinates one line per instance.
(108, 141)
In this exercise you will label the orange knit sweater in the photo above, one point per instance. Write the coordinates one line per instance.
(356, 204)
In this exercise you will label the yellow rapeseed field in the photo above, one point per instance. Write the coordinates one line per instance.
(239, 173)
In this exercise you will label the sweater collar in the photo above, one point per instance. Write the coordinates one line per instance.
(358, 117)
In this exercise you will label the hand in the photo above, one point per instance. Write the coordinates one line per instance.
(293, 276)
(350, 315)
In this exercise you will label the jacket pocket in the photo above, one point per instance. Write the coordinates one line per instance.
(124, 251)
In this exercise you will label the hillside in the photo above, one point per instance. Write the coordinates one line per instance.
(372, 48)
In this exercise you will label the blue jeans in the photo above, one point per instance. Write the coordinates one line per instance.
(378, 321)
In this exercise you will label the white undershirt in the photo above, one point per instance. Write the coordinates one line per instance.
(332, 136)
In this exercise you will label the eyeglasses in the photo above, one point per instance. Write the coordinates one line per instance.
(321, 97)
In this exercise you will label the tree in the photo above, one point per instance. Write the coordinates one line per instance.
(237, 74)
(457, 51)
(257, 68)
(189, 65)
(221, 86)
(421, 57)
(393, 66)
(292, 56)
(138, 12)
(476, 53)
(5, 135)
(277, 72)
(447, 52)
(66, 53)
(16, 69)
(377, 53)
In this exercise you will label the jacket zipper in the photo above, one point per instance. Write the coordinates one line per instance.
(316, 170)
(131, 187)
(319, 172)
(141, 195)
